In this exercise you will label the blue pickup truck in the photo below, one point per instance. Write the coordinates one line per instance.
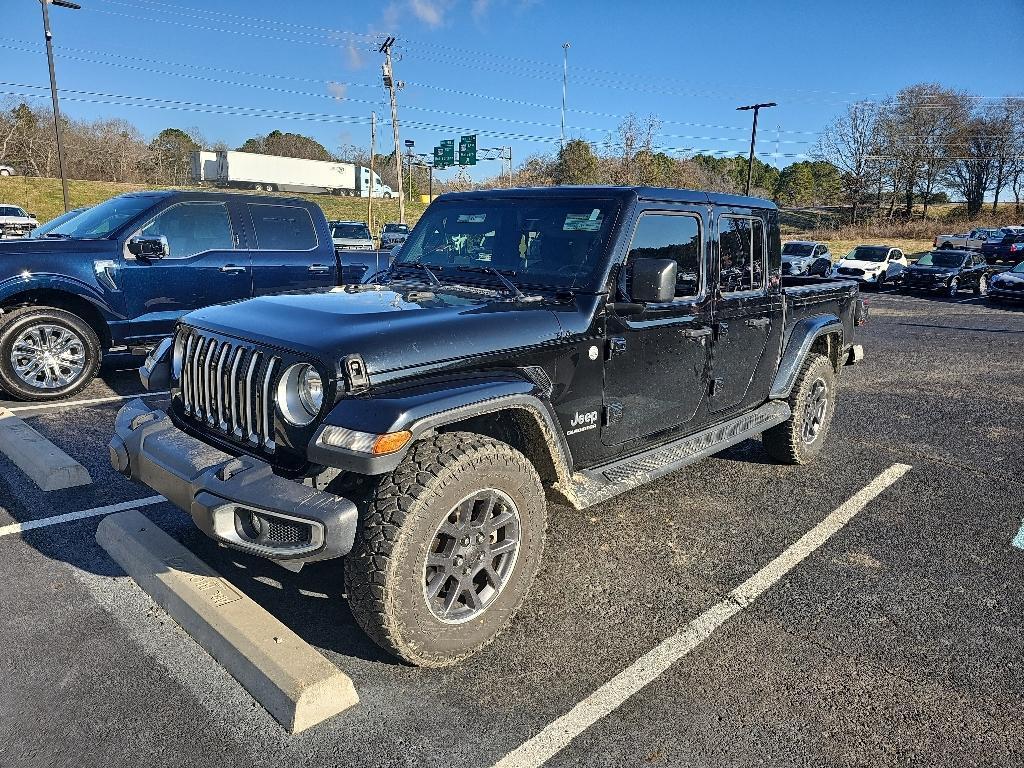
(119, 275)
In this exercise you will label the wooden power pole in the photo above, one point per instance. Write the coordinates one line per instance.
(392, 85)
(373, 150)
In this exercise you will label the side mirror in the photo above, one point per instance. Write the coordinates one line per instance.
(32, 216)
(149, 248)
(653, 280)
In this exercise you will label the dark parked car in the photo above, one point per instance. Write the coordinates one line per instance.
(1007, 246)
(122, 273)
(949, 272)
(1008, 284)
(572, 341)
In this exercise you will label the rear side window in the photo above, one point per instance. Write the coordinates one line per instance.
(671, 236)
(282, 227)
(742, 254)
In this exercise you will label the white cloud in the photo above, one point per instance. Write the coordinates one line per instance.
(480, 8)
(427, 11)
(354, 55)
(337, 90)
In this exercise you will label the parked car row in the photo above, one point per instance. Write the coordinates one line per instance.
(996, 243)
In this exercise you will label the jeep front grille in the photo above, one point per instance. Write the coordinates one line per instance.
(230, 387)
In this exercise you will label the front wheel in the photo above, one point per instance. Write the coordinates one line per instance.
(880, 281)
(46, 353)
(799, 439)
(447, 549)
(982, 287)
(4, 172)
(954, 288)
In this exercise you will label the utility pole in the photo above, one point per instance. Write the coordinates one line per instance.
(373, 151)
(392, 85)
(753, 136)
(53, 90)
(409, 144)
(565, 82)
(510, 167)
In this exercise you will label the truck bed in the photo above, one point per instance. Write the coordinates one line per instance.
(809, 296)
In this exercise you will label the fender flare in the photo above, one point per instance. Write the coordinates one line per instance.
(14, 286)
(801, 339)
(423, 408)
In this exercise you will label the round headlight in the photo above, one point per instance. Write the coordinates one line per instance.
(300, 394)
(311, 390)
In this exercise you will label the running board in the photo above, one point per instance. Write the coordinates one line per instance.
(592, 486)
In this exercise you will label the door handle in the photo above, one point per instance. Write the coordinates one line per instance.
(319, 269)
(696, 333)
(232, 269)
(758, 322)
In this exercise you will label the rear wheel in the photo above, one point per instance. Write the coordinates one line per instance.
(47, 353)
(799, 439)
(447, 548)
(4, 172)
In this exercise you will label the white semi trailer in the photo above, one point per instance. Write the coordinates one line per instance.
(204, 166)
(270, 173)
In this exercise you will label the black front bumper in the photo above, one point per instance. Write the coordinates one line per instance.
(239, 501)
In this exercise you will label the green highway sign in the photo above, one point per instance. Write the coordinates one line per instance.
(467, 150)
(444, 154)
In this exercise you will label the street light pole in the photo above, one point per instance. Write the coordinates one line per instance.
(53, 89)
(753, 137)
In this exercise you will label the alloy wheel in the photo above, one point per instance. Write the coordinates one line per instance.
(48, 356)
(815, 410)
(472, 556)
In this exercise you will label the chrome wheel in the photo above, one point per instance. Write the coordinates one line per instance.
(471, 556)
(48, 356)
(815, 410)
(954, 287)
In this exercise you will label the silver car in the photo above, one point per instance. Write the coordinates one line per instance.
(392, 234)
(351, 236)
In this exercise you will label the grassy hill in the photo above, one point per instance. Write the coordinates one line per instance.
(43, 198)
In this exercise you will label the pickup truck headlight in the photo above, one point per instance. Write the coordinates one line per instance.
(300, 394)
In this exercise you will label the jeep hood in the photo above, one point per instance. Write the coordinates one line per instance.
(390, 328)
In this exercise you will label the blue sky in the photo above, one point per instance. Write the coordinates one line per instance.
(236, 69)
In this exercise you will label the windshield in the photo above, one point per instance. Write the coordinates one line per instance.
(10, 210)
(52, 224)
(402, 229)
(1019, 269)
(350, 231)
(868, 254)
(537, 241)
(105, 218)
(797, 249)
(939, 259)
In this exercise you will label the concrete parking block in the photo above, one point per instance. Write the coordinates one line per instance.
(48, 466)
(290, 679)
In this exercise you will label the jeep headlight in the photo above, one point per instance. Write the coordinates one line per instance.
(300, 394)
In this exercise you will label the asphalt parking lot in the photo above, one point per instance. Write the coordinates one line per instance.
(900, 641)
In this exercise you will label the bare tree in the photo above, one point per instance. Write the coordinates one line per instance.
(849, 143)
(972, 171)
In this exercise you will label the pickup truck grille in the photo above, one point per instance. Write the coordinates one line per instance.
(230, 387)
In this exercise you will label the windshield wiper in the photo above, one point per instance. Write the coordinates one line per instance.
(57, 234)
(421, 266)
(500, 274)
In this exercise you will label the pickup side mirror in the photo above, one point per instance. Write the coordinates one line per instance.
(149, 248)
(653, 280)
(32, 216)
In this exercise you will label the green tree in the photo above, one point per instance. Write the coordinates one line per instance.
(576, 163)
(172, 150)
(287, 145)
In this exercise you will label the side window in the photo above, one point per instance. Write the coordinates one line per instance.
(671, 236)
(282, 227)
(193, 228)
(741, 254)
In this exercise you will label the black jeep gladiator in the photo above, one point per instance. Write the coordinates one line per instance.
(571, 342)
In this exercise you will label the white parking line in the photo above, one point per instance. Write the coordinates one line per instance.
(8, 530)
(92, 401)
(610, 696)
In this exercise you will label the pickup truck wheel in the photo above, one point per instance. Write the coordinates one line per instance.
(46, 353)
(813, 400)
(447, 549)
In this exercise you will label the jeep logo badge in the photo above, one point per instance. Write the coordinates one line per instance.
(581, 422)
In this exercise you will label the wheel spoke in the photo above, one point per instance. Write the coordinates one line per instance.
(503, 546)
(454, 592)
(435, 583)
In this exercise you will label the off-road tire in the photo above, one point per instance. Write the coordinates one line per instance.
(384, 574)
(16, 321)
(785, 442)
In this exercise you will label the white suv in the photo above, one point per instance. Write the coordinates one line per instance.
(871, 264)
